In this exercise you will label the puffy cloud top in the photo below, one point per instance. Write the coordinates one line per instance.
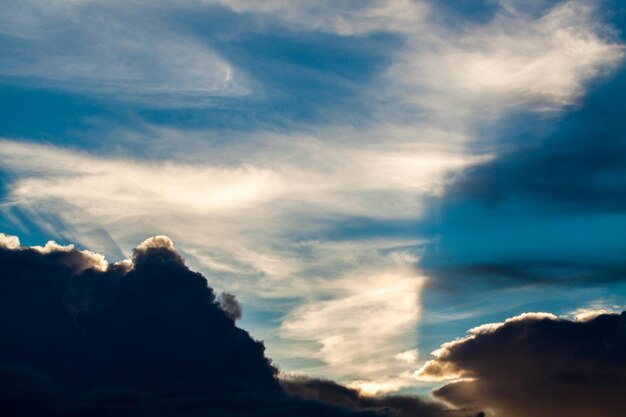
(158, 241)
(9, 242)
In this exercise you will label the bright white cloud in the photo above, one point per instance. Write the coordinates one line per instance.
(254, 205)
(360, 328)
(516, 59)
(9, 242)
(408, 356)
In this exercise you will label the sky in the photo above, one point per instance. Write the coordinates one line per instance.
(370, 178)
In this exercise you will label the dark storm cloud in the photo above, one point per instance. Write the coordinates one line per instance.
(537, 365)
(550, 208)
(393, 405)
(155, 327)
(142, 337)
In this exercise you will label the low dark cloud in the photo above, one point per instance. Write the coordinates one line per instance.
(392, 405)
(141, 337)
(537, 365)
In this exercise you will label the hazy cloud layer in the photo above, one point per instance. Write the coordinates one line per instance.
(129, 52)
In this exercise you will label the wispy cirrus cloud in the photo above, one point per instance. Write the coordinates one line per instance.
(129, 53)
(521, 57)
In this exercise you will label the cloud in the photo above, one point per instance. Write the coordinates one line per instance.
(393, 405)
(286, 197)
(123, 52)
(553, 194)
(139, 53)
(540, 54)
(594, 309)
(155, 326)
(346, 18)
(360, 328)
(409, 356)
(536, 365)
(146, 337)
(519, 57)
(9, 242)
(280, 214)
(230, 305)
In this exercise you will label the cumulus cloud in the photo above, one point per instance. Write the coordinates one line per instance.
(147, 339)
(77, 260)
(154, 326)
(537, 365)
(9, 242)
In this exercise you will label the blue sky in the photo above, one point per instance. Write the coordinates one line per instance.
(370, 178)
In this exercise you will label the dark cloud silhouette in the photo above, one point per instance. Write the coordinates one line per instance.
(141, 337)
(154, 325)
(229, 303)
(392, 405)
(538, 365)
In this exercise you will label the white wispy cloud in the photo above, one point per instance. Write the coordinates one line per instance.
(120, 51)
(344, 17)
(518, 58)
(361, 327)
